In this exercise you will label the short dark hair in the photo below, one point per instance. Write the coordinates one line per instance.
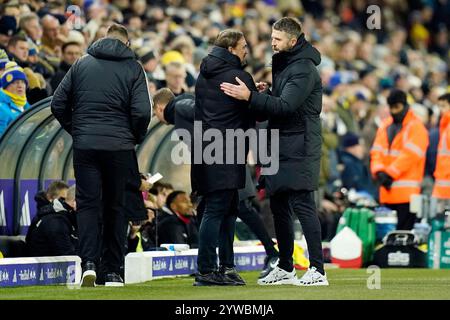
(289, 25)
(71, 43)
(55, 187)
(396, 96)
(163, 96)
(228, 38)
(172, 196)
(16, 38)
(117, 31)
(445, 97)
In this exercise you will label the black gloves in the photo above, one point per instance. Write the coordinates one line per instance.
(384, 179)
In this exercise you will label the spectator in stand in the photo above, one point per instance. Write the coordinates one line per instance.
(8, 26)
(3, 61)
(149, 61)
(355, 174)
(13, 99)
(29, 24)
(71, 52)
(176, 78)
(18, 50)
(51, 44)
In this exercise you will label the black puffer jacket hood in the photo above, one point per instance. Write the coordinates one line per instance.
(103, 100)
(181, 104)
(110, 49)
(218, 61)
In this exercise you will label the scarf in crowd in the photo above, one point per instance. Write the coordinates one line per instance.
(19, 101)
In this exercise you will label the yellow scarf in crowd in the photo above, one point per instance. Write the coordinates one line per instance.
(19, 101)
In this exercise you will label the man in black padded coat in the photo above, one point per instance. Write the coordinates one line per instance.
(219, 182)
(103, 102)
(293, 107)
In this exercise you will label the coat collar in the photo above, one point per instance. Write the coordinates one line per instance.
(410, 116)
(302, 50)
(226, 56)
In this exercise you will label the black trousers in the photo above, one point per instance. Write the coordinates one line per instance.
(250, 216)
(101, 178)
(217, 227)
(405, 219)
(301, 203)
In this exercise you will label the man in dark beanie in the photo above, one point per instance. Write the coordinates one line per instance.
(398, 158)
(8, 27)
(355, 174)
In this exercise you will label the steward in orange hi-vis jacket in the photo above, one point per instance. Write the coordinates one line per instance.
(398, 158)
(441, 188)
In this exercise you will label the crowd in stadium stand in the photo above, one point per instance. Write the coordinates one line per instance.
(409, 51)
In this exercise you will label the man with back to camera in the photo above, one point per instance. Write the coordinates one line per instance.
(219, 183)
(104, 104)
(293, 107)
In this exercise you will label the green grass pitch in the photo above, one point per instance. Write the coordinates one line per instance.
(419, 284)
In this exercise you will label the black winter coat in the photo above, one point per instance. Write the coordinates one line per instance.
(59, 75)
(103, 101)
(216, 110)
(172, 229)
(293, 107)
(180, 113)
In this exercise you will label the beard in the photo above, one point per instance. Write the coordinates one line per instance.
(279, 49)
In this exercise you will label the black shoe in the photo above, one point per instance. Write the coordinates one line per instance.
(233, 275)
(270, 262)
(89, 274)
(212, 279)
(113, 279)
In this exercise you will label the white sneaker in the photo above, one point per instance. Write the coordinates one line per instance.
(312, 277)
(279, 276)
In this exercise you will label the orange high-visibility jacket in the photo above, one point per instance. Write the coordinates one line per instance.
(403, 160)
(441, 189)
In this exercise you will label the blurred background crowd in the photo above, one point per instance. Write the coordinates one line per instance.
(410, 52)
